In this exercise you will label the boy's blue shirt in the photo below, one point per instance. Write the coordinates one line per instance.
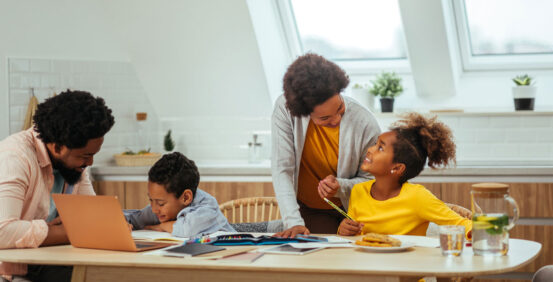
(201, 217)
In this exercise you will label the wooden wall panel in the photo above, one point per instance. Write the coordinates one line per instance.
(136, 195)
(533, 199)
(113, 188)
(456, 193)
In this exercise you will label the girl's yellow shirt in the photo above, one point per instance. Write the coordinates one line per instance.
(409, 213)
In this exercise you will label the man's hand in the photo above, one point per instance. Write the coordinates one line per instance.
(56, 236)
(328, 187)
(163, 227)
(293, 231)
(349, 227)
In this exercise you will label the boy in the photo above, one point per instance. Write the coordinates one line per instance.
(176, 205)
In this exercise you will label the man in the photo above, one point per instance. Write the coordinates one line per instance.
(51, 157)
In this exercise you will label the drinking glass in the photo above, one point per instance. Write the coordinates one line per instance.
(452, 239)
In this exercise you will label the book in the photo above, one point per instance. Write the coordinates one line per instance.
(149, 235)
(192, 249)
(250, 239)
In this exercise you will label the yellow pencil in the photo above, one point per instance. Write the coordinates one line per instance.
(338, 209)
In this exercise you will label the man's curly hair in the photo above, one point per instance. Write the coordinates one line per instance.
(176, 173)
(72, 118)
(419, 138)
(311, 80)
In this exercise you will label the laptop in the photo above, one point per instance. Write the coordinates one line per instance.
(97, 222)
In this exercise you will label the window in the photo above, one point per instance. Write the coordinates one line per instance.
(505, 34)
(362, 32)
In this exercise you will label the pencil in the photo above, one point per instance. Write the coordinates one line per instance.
(338, 209)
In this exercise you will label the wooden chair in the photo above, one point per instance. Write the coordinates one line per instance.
(464, 212)
(255, 209)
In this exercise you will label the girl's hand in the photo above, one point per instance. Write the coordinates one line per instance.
(349, 227)
(328, 187)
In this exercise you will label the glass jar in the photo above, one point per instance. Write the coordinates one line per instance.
(494, 214)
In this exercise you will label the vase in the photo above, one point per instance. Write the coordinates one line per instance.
(524, 97)
(387, 105)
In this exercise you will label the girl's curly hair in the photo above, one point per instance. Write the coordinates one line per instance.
(311, 80)
(419, 138)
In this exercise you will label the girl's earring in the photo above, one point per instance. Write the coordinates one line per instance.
(392, 171)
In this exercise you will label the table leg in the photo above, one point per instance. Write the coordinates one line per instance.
(79, 273)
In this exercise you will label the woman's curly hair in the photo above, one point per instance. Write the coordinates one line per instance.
(419, 138)
(72, 118)
(176, 173)
(311, 80)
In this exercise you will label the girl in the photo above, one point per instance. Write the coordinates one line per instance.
(391, 205)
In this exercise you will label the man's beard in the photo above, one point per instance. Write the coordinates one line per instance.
(70, 176)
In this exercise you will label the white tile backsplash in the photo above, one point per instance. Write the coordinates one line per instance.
(495, 139)
(116, 82)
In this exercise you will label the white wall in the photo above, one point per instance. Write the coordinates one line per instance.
(60, 29)
(195, 58)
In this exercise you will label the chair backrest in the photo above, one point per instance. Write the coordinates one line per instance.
(464, 212)
(255, 209)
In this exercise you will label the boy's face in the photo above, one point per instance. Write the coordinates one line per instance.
(164, 204)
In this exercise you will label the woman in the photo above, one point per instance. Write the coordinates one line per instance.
(319, 140)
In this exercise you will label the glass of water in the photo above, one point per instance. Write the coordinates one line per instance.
(452, 239)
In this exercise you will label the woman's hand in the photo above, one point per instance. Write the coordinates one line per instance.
(293, 231)
(349, 227)
(328, 187)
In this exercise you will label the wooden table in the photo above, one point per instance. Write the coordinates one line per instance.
(337, 264)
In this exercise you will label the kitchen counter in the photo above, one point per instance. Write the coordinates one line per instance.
(228, 171)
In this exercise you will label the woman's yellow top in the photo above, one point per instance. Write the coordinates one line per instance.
(409, 213)
(318, 160)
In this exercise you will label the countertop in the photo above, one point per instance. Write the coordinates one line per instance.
(261, 172)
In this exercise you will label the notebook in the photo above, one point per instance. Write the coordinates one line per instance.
(192, 249)
(97, 222)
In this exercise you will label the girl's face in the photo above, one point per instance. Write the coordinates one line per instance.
(164, 204)
(379, 158)
(329, 113)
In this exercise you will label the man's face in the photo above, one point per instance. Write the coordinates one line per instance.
(72, 162)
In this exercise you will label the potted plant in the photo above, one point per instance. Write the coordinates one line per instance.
(360, 93)
(524, 93)
(168, 143)
(387, 85)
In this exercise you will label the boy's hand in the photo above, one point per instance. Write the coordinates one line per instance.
(55, 221)
(349, 227)
(328, 187)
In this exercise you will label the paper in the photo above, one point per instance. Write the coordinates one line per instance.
(156, 236)
(419, 241)
(320, 245)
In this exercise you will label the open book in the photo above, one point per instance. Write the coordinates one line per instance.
(150, 235)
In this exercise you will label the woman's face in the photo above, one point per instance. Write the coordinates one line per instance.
(380, 157)
(330, 112)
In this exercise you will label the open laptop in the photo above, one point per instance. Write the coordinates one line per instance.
(97, 222)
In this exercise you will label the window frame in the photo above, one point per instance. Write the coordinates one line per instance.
(491, 62)
(354, 66)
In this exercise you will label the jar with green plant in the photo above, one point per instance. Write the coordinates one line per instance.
(524, 93)
(387, 86)
(168, 143)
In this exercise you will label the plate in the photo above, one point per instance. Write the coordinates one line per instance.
(404, 246)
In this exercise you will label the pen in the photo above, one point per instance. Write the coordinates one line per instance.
(338, 209)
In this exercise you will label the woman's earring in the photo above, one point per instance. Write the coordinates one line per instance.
(392, 171)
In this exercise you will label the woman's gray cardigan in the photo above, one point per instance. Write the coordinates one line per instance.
(358, 131)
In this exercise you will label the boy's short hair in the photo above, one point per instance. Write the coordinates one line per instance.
(176, 173)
